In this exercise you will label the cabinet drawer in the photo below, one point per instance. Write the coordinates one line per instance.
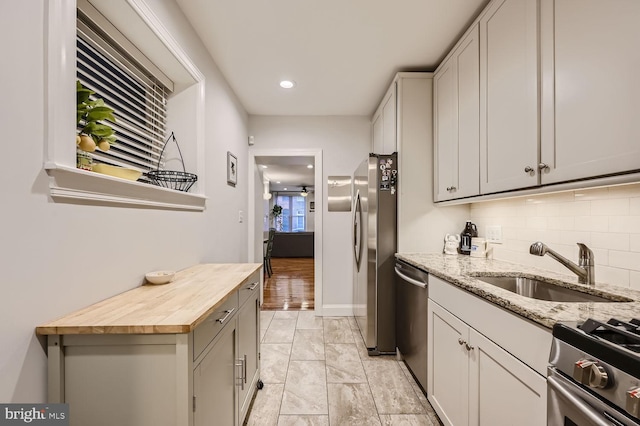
(252, 286)
(206, 331)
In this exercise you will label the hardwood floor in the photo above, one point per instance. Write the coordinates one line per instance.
(291, 286)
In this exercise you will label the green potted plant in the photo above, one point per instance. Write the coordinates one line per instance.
(276, 212)
(93, 134)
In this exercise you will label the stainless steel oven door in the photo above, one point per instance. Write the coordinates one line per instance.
(569, 404)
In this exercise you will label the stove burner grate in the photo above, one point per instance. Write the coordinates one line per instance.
(625, 334)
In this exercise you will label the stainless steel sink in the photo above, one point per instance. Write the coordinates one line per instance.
(542, 290)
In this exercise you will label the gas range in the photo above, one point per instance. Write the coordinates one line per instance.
(596, 361)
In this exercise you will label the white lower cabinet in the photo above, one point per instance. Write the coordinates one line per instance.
(502, 389)
(226, 375)
(248, 350)
(214, 382)
(448, 380)
(201, 378)
(474, 381)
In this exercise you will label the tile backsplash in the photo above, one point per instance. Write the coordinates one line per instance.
(607, 220)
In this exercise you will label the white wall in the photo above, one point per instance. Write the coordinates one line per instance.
(421, 224)
(60, 257)
(311, 215)
(261, 207)
(344, 142)
(607, 220)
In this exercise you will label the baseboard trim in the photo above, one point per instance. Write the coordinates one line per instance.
(337, 311)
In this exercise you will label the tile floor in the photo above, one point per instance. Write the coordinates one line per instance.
(316, 371)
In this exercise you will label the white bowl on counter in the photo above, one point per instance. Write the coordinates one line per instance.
(159, 277)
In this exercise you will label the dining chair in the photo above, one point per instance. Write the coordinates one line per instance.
(267, 252)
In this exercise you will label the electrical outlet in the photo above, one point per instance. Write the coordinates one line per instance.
(494, 234)
(240, 216)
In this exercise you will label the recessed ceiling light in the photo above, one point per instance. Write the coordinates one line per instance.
(287, 84)
(285, 189)
(309, 166)
(264, 167)
(278, 181)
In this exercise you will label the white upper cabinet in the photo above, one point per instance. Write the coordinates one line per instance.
(445, 132)
(591, 95)
(558, 99)
(509, 94)
(456, 121)
(384, 124)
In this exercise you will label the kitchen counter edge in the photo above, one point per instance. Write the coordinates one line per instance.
(458, 270)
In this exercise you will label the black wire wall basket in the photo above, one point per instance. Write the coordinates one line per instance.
(172, 179)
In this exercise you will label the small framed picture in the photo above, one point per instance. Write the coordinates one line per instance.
(312, 206)
(232, 169)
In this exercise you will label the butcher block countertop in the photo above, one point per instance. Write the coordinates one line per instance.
(176, 307)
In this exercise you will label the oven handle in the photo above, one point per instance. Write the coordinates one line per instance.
(593, 415)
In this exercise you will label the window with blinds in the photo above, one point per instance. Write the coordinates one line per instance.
(293, 212)
(137, 97)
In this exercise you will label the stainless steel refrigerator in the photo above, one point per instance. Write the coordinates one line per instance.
(374, 245)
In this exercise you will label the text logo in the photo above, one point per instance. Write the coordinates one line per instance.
(34, 414)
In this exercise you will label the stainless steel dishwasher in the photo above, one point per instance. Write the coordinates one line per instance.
(412, 291)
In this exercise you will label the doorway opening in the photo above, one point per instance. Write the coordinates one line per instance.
(285, 195)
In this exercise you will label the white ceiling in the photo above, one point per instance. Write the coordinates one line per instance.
(292, 172)
(342, 53)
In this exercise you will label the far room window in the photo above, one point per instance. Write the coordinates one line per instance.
(138, 97)
(293, 212)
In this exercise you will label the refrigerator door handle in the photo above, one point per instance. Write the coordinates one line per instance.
(357, 230)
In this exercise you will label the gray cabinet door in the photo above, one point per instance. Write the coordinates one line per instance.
(590, 72)
(214, 382)
(448, 368)
(457, 125)
(509, 94)
(248, 335)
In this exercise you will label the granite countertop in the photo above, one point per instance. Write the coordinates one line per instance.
(460, 271)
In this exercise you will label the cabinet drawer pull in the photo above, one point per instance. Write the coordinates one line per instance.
(528, 169)
(451, 188)
(253, 286)
(543, 167)
(461, 342)
(242, 379)
(244, 367)
(468, 346)
(228, 314)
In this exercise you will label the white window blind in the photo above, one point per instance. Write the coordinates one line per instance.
(137, 97)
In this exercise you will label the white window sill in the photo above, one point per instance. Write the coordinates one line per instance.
(69, 184)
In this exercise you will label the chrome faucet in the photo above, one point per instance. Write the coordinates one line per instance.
(585, 270)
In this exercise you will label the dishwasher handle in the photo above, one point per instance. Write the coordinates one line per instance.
(409, 279)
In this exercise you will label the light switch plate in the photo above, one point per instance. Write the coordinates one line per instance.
(494, 234)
